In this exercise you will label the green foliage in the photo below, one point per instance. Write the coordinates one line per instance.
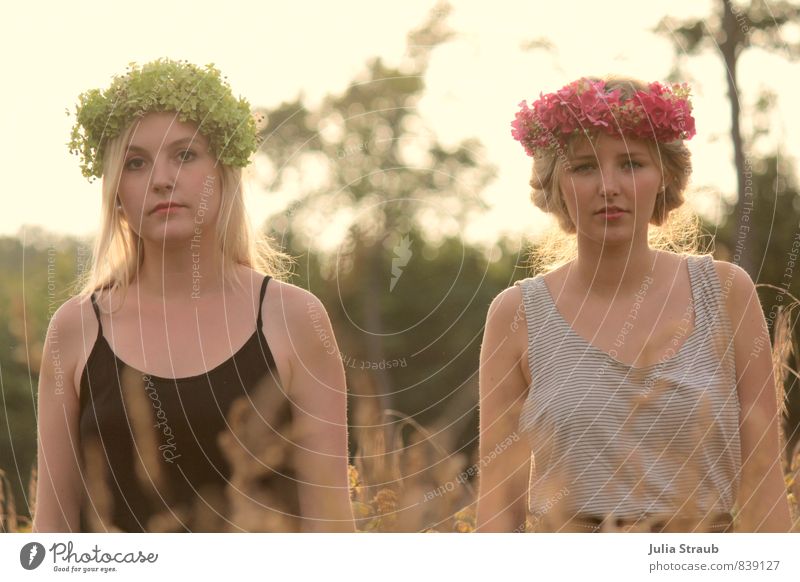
(38, 277)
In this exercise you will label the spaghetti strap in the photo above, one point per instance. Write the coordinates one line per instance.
(259, 321)
(97, 314)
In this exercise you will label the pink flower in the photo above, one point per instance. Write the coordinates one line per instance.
(682, 121)
(662, 113)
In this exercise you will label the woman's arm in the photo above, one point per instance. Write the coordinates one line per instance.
(504, 454)
(762, 501)
(58, 489)
(317, 389)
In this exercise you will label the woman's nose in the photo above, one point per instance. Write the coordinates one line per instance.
(609, 182)
(163, 178)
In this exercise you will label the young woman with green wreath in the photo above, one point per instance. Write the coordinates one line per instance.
(181, 326)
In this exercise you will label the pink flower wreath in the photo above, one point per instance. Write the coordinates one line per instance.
(662, 113)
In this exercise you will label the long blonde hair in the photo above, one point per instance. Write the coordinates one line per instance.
(673, 226)
(118, 251)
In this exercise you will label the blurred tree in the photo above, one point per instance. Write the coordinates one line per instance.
(732, 29)
(367, 174)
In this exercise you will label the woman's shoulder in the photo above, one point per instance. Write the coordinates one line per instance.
(72, 318)
(732, 272)
(292, 313)
(507, 310)
(505, 336)
(509, 298)
(736, 286)
(510, 302)
(735, 283)
(296, 325)
(289, 298)
(721, 266)
(71, 335)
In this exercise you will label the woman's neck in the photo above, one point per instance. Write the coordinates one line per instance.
(613, 271)
(181, 271)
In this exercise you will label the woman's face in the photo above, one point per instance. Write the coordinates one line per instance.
(615, 172)
(169, 187)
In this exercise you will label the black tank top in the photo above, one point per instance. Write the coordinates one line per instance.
(186, 454)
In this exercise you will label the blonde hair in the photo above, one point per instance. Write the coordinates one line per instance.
(118, 250)
(677, 228)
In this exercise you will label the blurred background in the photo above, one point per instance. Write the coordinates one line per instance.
(388, 171)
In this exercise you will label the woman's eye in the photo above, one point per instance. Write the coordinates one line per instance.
(582, 167)
(633, 164)
(129, 164)
(183, 155)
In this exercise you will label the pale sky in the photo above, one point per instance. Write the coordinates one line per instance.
(273, 51)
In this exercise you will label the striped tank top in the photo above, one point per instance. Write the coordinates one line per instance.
(609, 439)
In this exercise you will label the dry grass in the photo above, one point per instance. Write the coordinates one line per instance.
(403, 477)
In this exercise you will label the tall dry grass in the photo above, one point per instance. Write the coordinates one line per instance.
(403, 477)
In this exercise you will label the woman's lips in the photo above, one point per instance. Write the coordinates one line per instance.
(611, 214)
(167, 209)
